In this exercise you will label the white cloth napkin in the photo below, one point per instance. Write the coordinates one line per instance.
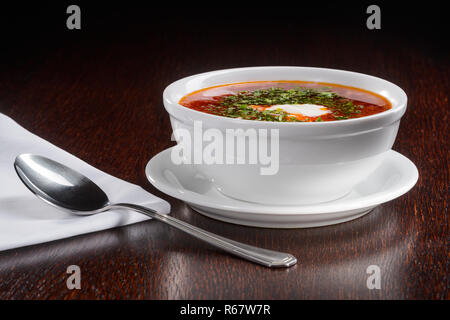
(26, 220)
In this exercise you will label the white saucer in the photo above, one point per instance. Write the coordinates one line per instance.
(396, 176)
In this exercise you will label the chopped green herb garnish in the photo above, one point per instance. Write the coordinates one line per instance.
(241, 105)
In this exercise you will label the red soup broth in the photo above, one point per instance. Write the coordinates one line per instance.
(346, 102)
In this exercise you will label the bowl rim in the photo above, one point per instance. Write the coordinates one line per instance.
(400, 107)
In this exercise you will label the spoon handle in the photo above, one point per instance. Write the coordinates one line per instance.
(264, 257)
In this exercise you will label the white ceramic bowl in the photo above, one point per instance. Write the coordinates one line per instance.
(318, 161)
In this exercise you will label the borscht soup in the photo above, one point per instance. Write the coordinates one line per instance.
(286, 101)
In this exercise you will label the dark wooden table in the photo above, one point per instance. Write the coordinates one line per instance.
(97, 94)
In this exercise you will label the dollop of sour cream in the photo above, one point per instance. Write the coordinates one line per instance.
(306, 110)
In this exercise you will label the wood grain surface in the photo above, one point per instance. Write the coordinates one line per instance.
(97, 93)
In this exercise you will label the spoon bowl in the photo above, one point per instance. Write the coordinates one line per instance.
(60, 186)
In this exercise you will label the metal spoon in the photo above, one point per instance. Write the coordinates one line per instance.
(69, 190)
